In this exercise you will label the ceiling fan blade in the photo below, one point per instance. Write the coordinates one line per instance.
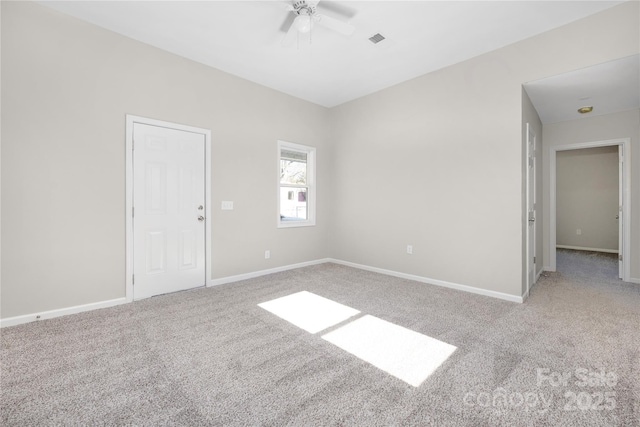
(286, 24)
(334, 24)
(283, 4)
(290, 37)
(339, 9)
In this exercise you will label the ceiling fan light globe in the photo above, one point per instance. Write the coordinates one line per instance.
(303, 23)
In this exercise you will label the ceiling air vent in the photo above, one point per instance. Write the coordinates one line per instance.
(376, 38)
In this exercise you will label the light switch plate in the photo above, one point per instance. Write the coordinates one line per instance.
(227, 205)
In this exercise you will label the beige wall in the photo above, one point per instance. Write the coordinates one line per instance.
(66, 88)
(436, 162)
(587, 198)
(625, 124)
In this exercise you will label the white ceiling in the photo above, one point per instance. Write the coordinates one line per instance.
(243, 37)
(608, 88)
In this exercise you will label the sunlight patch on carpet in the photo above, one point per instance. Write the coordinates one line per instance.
(309, 311)
(403, 353)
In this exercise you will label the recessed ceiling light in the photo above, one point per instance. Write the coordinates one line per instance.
(584, 110)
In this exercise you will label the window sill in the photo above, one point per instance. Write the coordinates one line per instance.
(295, 224)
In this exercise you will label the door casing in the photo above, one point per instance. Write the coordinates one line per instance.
(626, 199)
(531, 242)
(130, 121)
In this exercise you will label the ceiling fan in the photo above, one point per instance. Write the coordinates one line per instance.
(306, 16)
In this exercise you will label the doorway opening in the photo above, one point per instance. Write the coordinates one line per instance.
(567, 233)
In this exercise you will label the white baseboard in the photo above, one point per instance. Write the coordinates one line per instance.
(634, 280)
(535, 282)
(245, 276)
(580, 248)
(486, 292)
(26, 318)
(466, 288)
(17, 320)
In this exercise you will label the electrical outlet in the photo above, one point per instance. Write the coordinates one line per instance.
(579, 231)
(267, 254)
(410, 249)
(227, 206)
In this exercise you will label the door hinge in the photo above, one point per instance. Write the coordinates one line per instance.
(534, 260)
(133, 144)
(620, 257)
(133, 212)
(133, 279)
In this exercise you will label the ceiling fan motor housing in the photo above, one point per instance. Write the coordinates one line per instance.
(301, 7)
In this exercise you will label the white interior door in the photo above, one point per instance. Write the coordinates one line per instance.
(531, 207)
(620, 210)
(168, 210)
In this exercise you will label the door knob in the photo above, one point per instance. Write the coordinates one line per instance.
(617, 216)
(532, 220)
(200, 218)
(200, 207)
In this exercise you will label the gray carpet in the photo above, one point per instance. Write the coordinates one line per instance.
(213, 357)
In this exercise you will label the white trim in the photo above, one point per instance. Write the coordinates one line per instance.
(626, 198)
(580, 248)
(526, 295)
(485, 292)
(459, 287)
(254, 274)
(12, 321)
(26, 318)
(311, 186)
(528, 233)
(130, 120)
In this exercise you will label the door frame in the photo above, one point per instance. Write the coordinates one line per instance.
(529, 196)
(130, 121)
(626, 198)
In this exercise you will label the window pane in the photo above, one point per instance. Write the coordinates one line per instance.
(296, 185)
(293, 167)
(294, 208)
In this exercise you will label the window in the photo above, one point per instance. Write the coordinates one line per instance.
(296, 185)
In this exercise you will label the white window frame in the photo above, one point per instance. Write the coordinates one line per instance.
(311, 185)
